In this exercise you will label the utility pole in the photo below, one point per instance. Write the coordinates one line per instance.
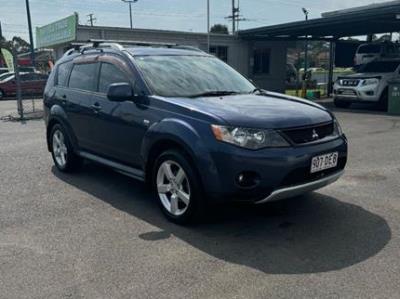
(28, 12)
(305, 79)
(235, 17)
(91, 19)
(1, 32)
(208, 26)
(130, 9)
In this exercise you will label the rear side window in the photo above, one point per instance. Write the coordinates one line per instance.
(110, 74)
(83, 76)
(369, 49)
(62, 74)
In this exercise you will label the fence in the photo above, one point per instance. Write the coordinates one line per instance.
(24, 84)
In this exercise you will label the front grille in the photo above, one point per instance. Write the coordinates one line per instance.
(349, 82)
(303, 175)
(309, 134)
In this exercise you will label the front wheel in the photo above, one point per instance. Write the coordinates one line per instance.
(177, 187)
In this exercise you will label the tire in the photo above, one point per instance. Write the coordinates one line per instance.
(341, 104)
(62, 152)
(177, 188)
(2, 94)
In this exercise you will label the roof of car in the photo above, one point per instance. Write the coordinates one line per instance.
(159, 51)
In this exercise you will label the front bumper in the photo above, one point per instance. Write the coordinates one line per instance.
(356, 94)
(278, 171)
(302, 188)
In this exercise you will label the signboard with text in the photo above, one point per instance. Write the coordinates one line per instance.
(56, 33)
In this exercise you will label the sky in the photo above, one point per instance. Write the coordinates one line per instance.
(184, 15)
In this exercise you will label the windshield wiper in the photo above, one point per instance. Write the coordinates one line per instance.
(215, 93)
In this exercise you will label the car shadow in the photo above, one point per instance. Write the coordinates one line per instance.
(310, 234)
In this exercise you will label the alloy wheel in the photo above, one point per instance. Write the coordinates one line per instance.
(173, 188)
(59, 149)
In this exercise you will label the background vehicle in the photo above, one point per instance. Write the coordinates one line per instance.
(188, 124)
(6, 75)
(369, 85)
(31, 83)
(3, 70)
(372, 51)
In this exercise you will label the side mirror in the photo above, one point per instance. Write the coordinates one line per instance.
(120, 92)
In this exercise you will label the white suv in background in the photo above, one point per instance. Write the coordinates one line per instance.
(372, 51)
(369, 85)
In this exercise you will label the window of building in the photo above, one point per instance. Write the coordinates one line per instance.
(220, 51)
(83, 76)
(110, 74)
(262, 59)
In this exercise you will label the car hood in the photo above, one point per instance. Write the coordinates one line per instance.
(272, 110)
(366, 75)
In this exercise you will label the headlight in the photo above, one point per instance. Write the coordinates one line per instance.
(372, 81)
(249, 138)
(337, 129)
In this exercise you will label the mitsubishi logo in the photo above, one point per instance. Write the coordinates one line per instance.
(315, 135)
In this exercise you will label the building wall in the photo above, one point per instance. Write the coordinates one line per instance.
(240, 52)
(275, 79)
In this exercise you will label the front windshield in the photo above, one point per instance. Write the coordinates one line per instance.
(380, 67)
(188, 76)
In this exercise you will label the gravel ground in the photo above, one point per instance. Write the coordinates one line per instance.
(98, 234)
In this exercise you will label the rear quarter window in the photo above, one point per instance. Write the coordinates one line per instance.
(62, 74)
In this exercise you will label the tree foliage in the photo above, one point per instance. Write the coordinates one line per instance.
(219, 28)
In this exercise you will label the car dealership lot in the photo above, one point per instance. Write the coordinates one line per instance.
(99, 234)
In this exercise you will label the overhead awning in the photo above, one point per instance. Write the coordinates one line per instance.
(366, 20)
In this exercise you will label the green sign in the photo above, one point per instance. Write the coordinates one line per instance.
(56, 33)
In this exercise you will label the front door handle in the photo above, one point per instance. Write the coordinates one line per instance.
(96, 107)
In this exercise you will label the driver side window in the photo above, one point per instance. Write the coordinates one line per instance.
(110, 74)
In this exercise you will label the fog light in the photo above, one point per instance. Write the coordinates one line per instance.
(370, 93)
(247, 179)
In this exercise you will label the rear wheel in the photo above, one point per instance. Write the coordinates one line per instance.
(177, 187)
(341, 104)
(62, 152)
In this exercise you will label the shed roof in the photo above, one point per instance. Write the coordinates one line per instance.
(365, 20)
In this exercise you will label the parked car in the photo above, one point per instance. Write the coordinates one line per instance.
(190, 126)
(31, 84)
(369, 85)
(3, 70)
(6, 75)
(369, 52)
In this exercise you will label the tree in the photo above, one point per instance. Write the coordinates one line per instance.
(220, 29)
(21, 45)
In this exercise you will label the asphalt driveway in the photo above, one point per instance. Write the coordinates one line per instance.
(98, 234)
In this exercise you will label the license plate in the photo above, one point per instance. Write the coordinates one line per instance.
(347, 92)
(323, 162)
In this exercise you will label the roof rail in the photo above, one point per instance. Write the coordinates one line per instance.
(144, 44)
(99, 45)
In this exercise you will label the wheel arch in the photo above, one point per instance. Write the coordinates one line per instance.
(58, 116)
(180, 135)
